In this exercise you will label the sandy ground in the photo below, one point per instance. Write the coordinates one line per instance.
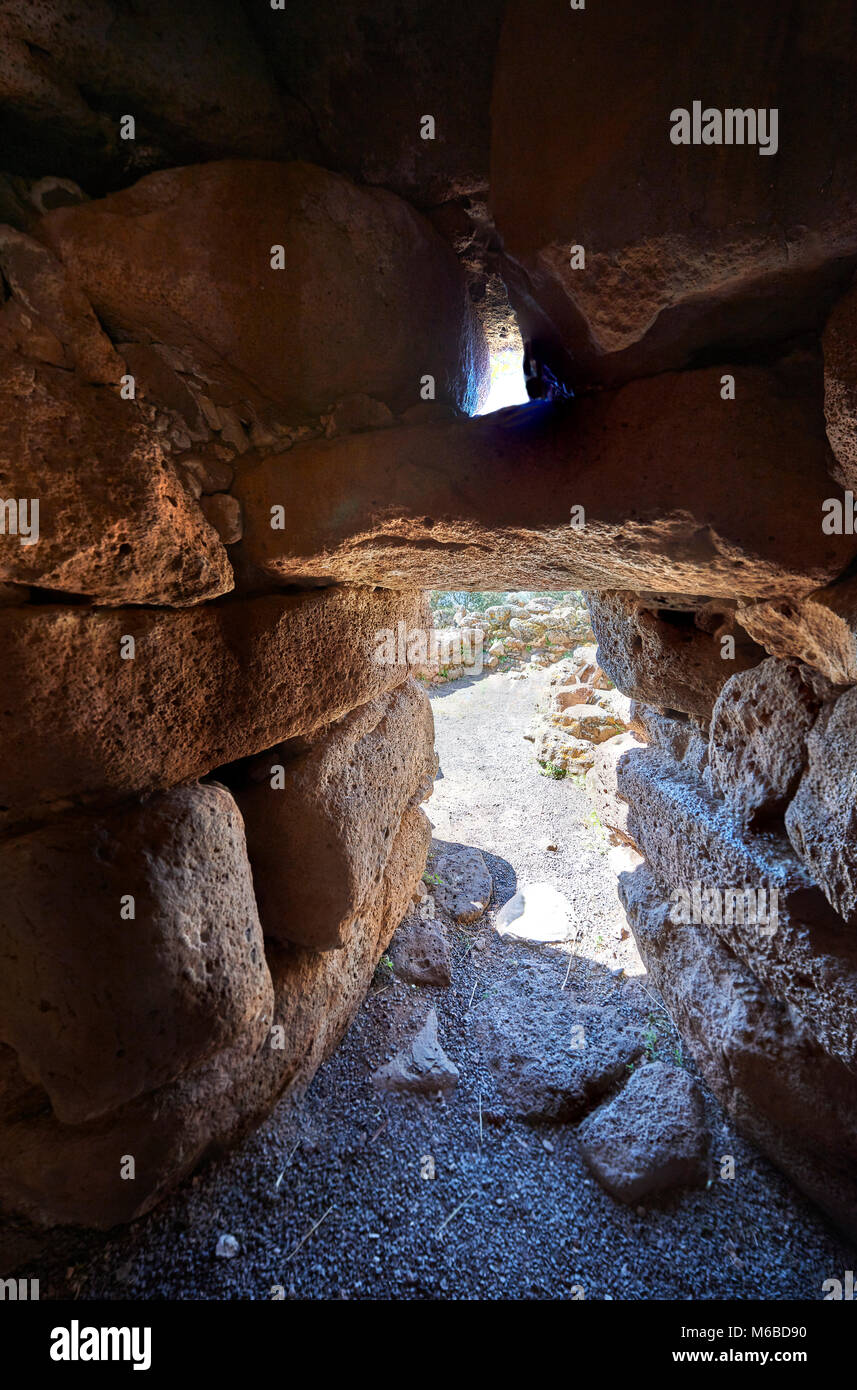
(328, 1199)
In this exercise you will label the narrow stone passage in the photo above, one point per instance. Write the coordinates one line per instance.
(333, 1196)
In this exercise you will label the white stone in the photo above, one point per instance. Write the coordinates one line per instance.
(538, 912)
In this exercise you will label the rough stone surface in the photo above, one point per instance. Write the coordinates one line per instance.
(208, 685)
(114, 522)
(612, 809)
(806, 957)
(758, 737)
(460, 882)
(421, 1069)
(321, 821)
(821, 821)
(48, 316)
(441, 503)
(687, 248)
(664, 658)
(546, 1057)
(420, 953)
(101, 1006)
(55, 1173)
(839, 343)
(675, 734)
(352, 257)
(649, 1138)
(820, 630)
(782, 1089)
(199, 91)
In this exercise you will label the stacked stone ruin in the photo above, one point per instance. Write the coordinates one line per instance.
(241, 338)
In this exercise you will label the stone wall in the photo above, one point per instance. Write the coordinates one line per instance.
(210, 786)
(238, 352)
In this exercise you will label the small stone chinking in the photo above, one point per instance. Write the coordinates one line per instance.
(242, 347)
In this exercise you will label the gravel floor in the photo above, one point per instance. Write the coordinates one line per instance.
(328, 1200)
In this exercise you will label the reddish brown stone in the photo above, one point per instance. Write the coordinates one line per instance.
(131, 948)
(206, 686)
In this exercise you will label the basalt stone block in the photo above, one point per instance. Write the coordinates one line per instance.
(820, 629)
(55, 1173)
(649, 1138)
(822, 819)
(759, 731)
(547, 1058)
(662, 657)
(675, 734)
(687, 246)
(321, 822)
(351, 257)
(782, 1089)
(113, 522)
(489, 501)
(839, 343)
(205, 687)
(48, 316)
(800, 949)
(131, 947)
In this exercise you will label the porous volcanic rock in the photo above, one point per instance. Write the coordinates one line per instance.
(687, 247)
(198, 90)
(784, 1092)
(326, 325)
(442, 503)
(803, 952)
(546, 1057)
(612, 809)
(56, 1173)
(114, 522)
(460, 882)
(651, 1137)
(821, 821)
(819, 629)
(48, 316)
(759, 730)
(839, 343)
(662, 657)
(206, 686)
(131, 947)
(675, 734)
(321, 821)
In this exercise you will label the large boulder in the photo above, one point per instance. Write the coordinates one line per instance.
(440, 502)
(57, 1173)
(759, 730)
(321, 821)
(784, 1092)
(296, 339)
(131, 947)
(839, 343)
(47, 315)
(84, 714)
(601, 784)
(114, 522)
(750, 889)
(197, 90)
(545, 1057)
(819, 629)
(662, 656)
(822, 819)
(687, 248)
